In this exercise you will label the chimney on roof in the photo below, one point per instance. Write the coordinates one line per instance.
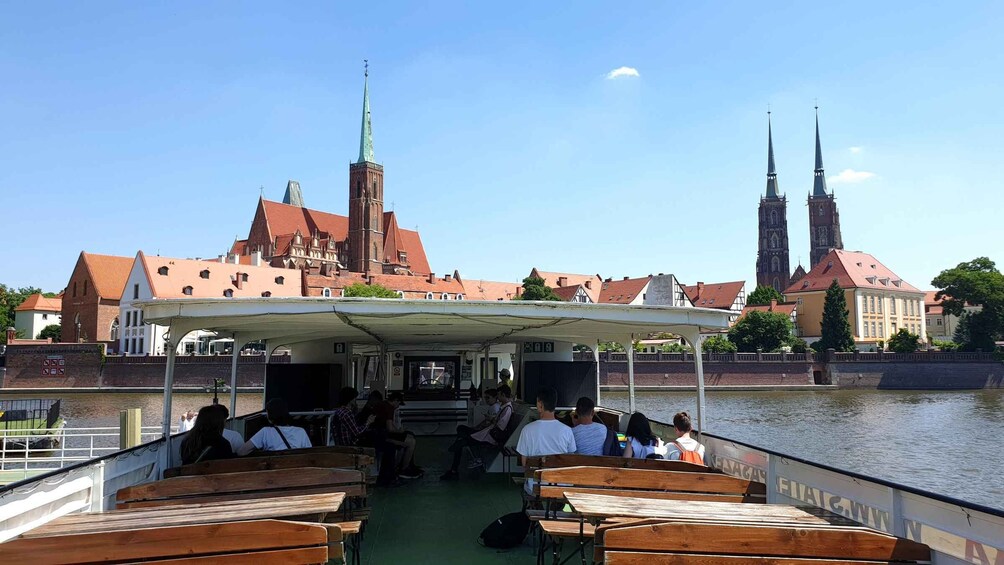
(589, 284)
(448, 278)
(239, 281)
(256, 259)
(608, 279)
(221, 258)
(432, 278)
(233, 259)
(562, 281)
(660, 274)
(624, 279)
(700, 288)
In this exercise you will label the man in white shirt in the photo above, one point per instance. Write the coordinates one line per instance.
(280, 434)
(232, 436)
(589, 435)
(546, 436)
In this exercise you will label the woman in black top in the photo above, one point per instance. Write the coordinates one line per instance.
(205, 441)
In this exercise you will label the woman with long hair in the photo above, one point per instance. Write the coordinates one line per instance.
(641, 442)
(205, 441)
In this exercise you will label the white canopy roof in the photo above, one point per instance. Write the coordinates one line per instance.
(398, 322)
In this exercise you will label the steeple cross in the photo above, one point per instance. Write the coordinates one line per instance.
(366, 67)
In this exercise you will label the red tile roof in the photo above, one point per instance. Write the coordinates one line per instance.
(182, 273)
(782, 307)
(552, 280)
(412, 286)
(567, 293)
(109, 273)
(491, 290)
(852, 269)
(623, 291)
(714, 295)
(38, 303)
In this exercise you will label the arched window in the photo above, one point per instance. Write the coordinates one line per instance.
(113, 333)
(773, 241)
(445, 296)
(773, 217)
(400, 294)
(326, 293)
(359, 189)
(775, 265)
(460, 296)
(428, 296)
(777, 284)
(822, 235)
(376, 249)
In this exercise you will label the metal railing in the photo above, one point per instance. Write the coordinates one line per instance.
(24, 455)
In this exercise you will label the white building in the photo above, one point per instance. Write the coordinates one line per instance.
(35, 313)
(163, 277)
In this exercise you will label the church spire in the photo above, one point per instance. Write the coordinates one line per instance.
(366, 134)
(771, 173)
(819, 178)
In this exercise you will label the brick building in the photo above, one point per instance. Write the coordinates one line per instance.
(90, 306)
(772, 264)
(824, 219)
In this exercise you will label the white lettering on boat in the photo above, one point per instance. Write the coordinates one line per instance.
(857, 511)
(957, 546)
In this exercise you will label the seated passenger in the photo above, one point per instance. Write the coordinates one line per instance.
(546, 436)
(685, 448)
(233, 436)
(345, 430)
(205, 441)
(589, 435)
(387, 427)
(641, 442)
(280, 434)
(490, 436)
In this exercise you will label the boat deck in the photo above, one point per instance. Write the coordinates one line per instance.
(429, 521)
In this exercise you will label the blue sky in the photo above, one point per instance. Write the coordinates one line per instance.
(127, 126)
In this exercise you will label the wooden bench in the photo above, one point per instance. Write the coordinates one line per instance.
(574, 460)
(653, 542)
(229, 543)
(271, 462)
(552, 484)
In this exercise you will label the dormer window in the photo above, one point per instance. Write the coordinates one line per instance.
(402, 256)
(326, 293)
(805, 284)
(280, 280)
(187, 291)
(266, 294)
(460, 297)
(204, 274)
(228, 293)
(162, 271)
(428, 296)
(400, 294)
(244, 277)
(871, 280)
(445, 296)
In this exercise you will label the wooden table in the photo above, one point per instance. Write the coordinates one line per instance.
(314, 505)
(596, 507)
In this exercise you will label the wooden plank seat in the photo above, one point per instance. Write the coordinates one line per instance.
(552, 484)
(272, 462)
(661, 542)
(253, 542)
(532, 464)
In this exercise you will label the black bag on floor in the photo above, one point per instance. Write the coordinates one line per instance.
(506, 532)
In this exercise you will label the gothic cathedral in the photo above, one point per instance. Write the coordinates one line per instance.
(772, 265)
(824, 220)
(366, 230)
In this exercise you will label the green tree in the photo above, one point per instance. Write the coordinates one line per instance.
(904, 342)
(763, 295)
(535, 289)
(835, 329)
(768, 331)
(11, 298)
(797, 345)
(360, 290)
(976, 282)
(611, 346)
(717, 344)
(946, 345)
(52, 330)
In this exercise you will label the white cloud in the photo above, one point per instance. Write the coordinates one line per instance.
(622, 72)
(855, 149)
(850, 176)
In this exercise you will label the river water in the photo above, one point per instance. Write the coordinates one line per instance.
(945, 442)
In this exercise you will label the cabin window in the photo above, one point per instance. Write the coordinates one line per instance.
(187, 291)
(326, 293)
(204, 274)
(228, 293)
(162, 271)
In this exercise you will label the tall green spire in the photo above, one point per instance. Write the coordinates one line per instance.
(771, 173)
(366, 135)
(818, 175)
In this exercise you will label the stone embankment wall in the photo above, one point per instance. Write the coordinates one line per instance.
(906, 376)
(85, 366)
(649, 374)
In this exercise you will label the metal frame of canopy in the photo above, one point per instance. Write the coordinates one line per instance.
(424, 323)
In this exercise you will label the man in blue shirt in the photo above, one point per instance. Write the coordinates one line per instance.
(589, 435)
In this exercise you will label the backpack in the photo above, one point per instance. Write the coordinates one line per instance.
(612, 444)
(689, 456)
(506, 532)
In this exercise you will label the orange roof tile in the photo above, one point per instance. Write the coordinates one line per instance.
(714, 295)
(553, 280)
(567, 293)
(38, 303)
(491, 290)
(182, 273)
(109, 273)
(852, 269)
(623, 291)
(315, 284)
(782, 307)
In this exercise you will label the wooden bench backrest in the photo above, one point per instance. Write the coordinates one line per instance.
(552, 483)
(272, 462)
(576, 460)
(285, 542)
(238, 486)
(835, 543)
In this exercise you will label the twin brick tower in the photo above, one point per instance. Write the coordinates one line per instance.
(773, 263)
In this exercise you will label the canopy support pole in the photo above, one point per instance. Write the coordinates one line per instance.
(238, 345)
(629, 351)
(172, 352)
(695, 340)
(596, 360)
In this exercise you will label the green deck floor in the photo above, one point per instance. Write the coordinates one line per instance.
(429, 521)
